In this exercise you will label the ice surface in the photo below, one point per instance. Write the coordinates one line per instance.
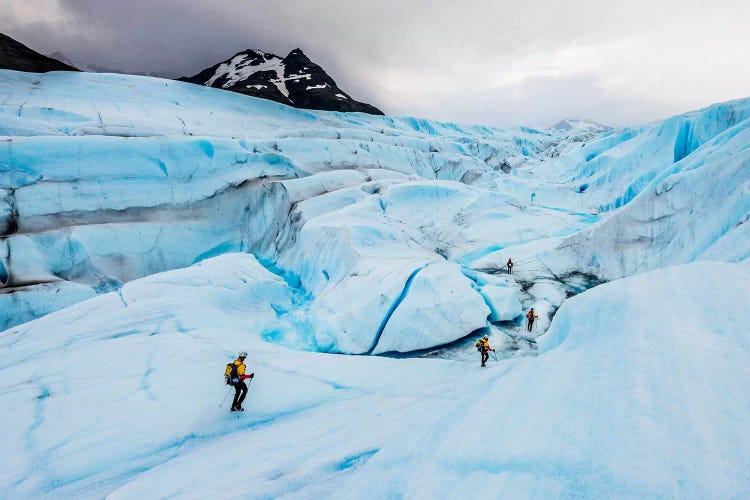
(26, 303)
(634, 395)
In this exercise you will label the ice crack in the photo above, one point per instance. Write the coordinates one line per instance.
(393, 307)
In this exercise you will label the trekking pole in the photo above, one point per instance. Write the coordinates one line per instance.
(225, 397)
(494, 354)
(249, 381)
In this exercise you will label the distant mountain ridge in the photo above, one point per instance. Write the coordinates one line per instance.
(18, 57)
(294, 80)
(575, 124)
(95, 68)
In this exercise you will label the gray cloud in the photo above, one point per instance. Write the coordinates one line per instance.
(481, 61)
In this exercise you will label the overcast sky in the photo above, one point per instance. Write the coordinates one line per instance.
(498, 62)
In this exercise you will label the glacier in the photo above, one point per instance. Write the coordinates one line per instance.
(150, 229)
(117, 189)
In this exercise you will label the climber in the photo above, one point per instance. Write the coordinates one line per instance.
(510, 265)
(235, 374)
(483, 346)
(531, 316)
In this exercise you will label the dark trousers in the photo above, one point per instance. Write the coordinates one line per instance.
(485, 356)
(531, 323)
(240, 391)
(510, 269)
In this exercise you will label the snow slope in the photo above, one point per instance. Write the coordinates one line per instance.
(634, 395)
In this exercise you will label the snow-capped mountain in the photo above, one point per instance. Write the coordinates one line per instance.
(294, 80)
(17, 56)
(577, 125)
(146, 239)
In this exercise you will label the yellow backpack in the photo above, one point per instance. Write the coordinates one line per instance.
(230, 372)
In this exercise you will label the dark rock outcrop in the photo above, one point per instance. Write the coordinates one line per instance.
(294, 80)
(18, 57)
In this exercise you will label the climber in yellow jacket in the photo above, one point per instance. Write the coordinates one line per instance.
(483, 346)
(236, 377)
(530, 317)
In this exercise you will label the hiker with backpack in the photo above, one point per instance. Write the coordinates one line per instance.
(235, 376)
(483, 346)
(510, 265)
(530, 317)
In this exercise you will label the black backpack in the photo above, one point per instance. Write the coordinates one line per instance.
(230, 373)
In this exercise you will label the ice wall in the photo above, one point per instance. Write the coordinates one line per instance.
(107, 178)
(695, 209)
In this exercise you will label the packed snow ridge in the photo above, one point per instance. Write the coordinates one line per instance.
(153, 228)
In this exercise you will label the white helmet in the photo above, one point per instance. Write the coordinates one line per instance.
(243, 354)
